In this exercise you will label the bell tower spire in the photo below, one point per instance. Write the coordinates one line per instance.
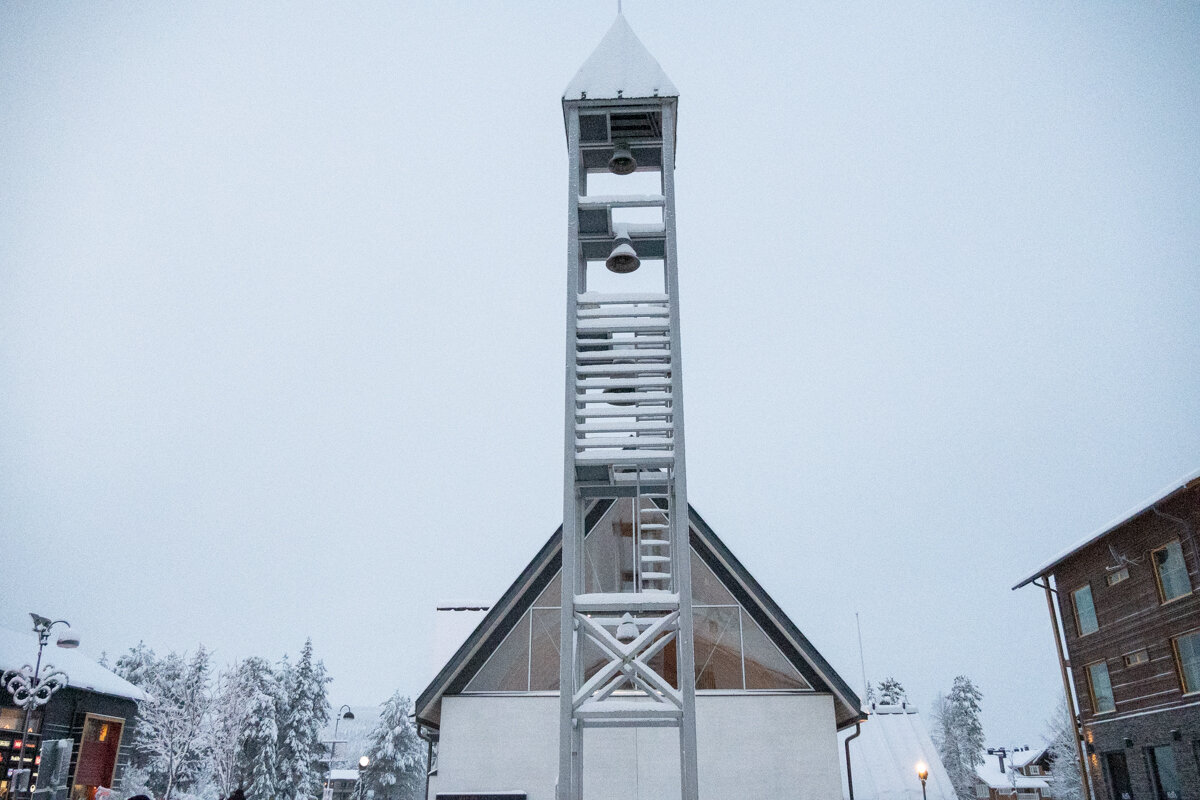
(624, 442)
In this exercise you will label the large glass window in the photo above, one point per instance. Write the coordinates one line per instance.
(718, 643)
(507, 670)
(1085, 610)
(1102, 695)
(1187, 653)
(1171, 571)
(732, 651)
(766, 666)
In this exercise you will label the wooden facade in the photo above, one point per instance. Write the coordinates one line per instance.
(1128, 602)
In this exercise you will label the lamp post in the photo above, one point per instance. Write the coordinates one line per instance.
(343, 713)
(31, 686)
(923, 774)
(363, 763)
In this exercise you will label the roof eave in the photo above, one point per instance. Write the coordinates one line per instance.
(1182, 484)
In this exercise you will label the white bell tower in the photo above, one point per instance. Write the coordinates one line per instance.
(627, 653)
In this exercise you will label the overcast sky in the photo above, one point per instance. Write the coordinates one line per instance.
(282, 314)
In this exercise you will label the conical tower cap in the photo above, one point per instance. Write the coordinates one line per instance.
(620, 68)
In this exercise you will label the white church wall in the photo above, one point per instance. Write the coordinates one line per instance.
(750, 746)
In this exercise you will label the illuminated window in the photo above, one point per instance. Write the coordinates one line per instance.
(1171, 571)
(1102, 695)
(1187, 656)
(1085, 610)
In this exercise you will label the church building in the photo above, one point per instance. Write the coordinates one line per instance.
(682, 678)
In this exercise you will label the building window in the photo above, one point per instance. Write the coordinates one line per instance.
(1114, 578)
(982, 791)
(1162, 767)
(1102, 696)
(1085, 610)
(1187, 654)
(1171, 571)
(1034, 769)
(1135, 658)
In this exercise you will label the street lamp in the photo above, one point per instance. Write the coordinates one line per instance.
(343, 713)
(363, 762)
(32, 686)
(923, 774)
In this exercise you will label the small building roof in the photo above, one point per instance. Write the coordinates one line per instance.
(884, 757)
(343, 774)
(620, 67)
(18, 648)
(989, 772)
(1141, 508)
(1026, 758)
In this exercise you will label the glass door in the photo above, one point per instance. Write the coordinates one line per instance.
(1118, 776)
(1162, 768)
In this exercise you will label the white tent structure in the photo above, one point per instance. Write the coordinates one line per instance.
(884, 758)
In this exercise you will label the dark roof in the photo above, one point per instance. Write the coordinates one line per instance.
(467, 660)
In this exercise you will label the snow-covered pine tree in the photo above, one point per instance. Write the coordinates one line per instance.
(231, 699)
(396, 767)
(305, 712)
(173, 722)
(258, 742)
(959, 735)
(1060, 742)
(891, 692)
(138, 666)
(871, 697)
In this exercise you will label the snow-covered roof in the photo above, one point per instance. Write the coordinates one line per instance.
(884, 758)
(343, 774)
(1137, 510)
(620, 67)
(1026, 758)
(18, 648)
(989, 772)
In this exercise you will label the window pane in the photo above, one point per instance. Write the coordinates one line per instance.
(766, 667)
(1102, 696)
(508, 668)
(1085, 611)
(551, 596)
(718, 644)
(1189, 661)
(543, 652)
(1172, 572)
(706, 589)
(666, 663)
(608, 551)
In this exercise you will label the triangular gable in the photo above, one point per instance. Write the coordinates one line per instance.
(766, 618)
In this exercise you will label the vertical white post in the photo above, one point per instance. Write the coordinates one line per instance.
(681, 551)
(570, 737)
